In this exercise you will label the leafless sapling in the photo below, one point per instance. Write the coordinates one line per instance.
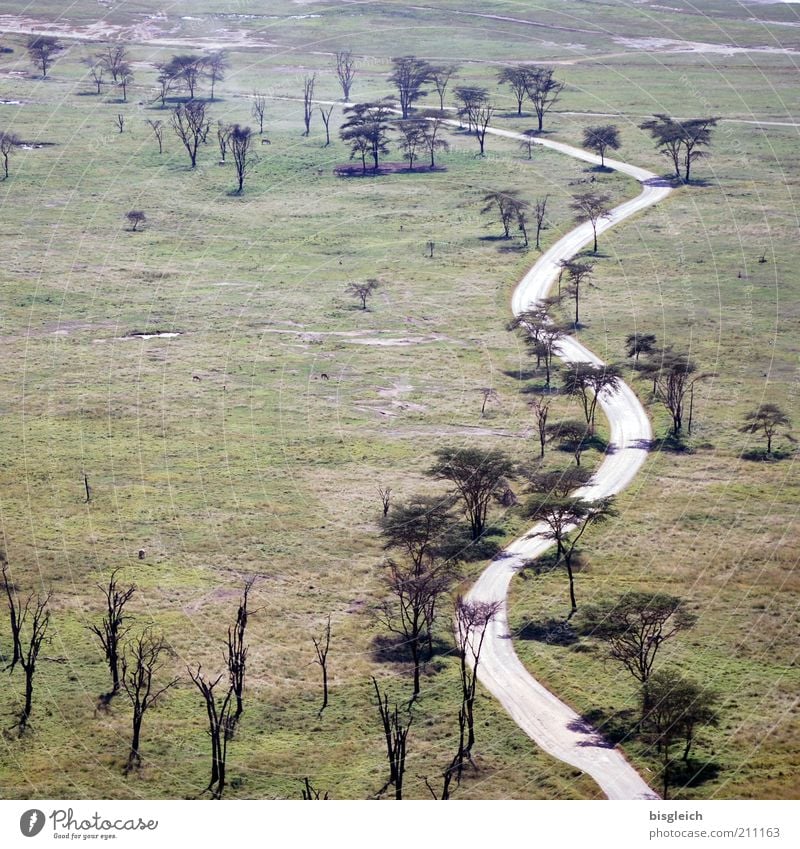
(236, 652)
(14, 614)
(126, 77)
(540, 211)
(385, 494)
(591, 206)
(142, 661)
(321, 647)
(220, 727)
(396, 734)
(541, 410)
(326, 120)
(30, 647)
(310, 793)
(113, 628)
(96, 72)
(8, 141)
(120, 121)
(158, 131)
(489, 394)
(259, 109)
(483, 116)
(308, 101)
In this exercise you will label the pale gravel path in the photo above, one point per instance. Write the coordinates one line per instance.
(548, 721)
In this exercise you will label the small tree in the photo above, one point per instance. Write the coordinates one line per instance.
(191, 126)
(572, 435)
(346, 72)
(639, 343)
(678, 708)
(126, 77)
(543, 91)
(220, 727)
(259, 109)
(430, 129)
(395, 733)
(483, 115)
(363, 291)
(411, 139)
(440, 76)
(240, 142)
(135, 218)
(477, 477)
(186, 70)
(42, 49)
(469, 100)
(8, 141)
(409, 75)
(507, 204)
(96, 72)
(385, 493)
(516, 78)
(113, 56)
(558, 483)
(30, 648)
(321, 648)
(223, 135)
(767, 418)
(592, 207)
(566, 519)
(541, 410)
(635, 626)
(679, 140)
(236, 651)
(216, 64)
(674, 380)
(577, 274)
(366, 131)
(600, 139)
(308, 101)
(142, 662)
(14, 613)
(528, 141)
(158, 131)
(325, 114)
(113, 628)
(120, 122)
(540, 211)
(588, 381)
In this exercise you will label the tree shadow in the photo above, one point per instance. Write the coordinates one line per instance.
(763, 457)
(692, 772)
(615, 726)
(494, 238)
(392, 648)
(458, 544)
(540, 389)
(671, 444)
(551, 632)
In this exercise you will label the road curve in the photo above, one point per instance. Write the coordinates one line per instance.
(548, 721)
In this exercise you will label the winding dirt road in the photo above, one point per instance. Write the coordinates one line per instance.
(548, 721)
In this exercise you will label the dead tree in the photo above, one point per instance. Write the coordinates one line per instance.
(223, 134)
(385, 494)
(258, 111)
(345, 71)
(220, 728)
(120, 121)
(29, 652)
(236, 652)
(308, 98)
(311, 793)
(158, 132)
(321, 647)
(326, 120)
(14, 613)
(191, 127)
(540, 210)
(455, 768)
(113, 628)
(141, 663)
(396, 734)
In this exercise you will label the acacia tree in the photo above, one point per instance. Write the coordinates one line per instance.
(674, 380)
(429, 131)
(308, 101)
(216, 64)
(395, 733)
(600, 139)
(566, 519)
(411, 138)
(135, 218)
(325, 114)
(542, 338)
(440, 76)
(240, 143)
(541, 410)
(96, 72)
(558, 482)
(507, 204)
(767, 418)
(639, 343)
(141, 662)
(191, 126)
(635, 626)
(186, 70)
(42, 49)
(588, 381)
(679, 140)
(113, 628)
(540, 212)
(126, 77)
(572, 435)
(30, 647)
(345, 71)
(363, 291)
(577, 273)
(409, 75)
(483, 115)
(516, 78)
(366, 131)
(543, 91)
(469, 100)
(477, 477)
(591, 206)
(678, 708)
(8, 141)
(220, 727)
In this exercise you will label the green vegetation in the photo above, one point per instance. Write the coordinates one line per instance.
(261, 468)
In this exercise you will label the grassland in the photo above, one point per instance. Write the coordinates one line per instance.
(262, 468)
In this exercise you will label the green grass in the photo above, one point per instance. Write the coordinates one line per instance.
(262, 468)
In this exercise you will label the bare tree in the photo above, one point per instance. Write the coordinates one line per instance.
(158, 131)
(385, 493)
(477, 477)
(190, 125)
(308, 101)
(543, 91)
(141, 662)
(14, 613)
(42, 49)
(259, 109)
(310, 793)
(240, 145)
(591, 206)
(165, 83)
(223, 134)
(396, 734)
(236, 651)
(541, 410)
(30, 648)
(527, 143)
(507, 204)
(220, 728)
(114, 628)
(135, 218)
(112, 57)
(321, 647)
(363, 291)
(126, 77)
(346, 72)
(440, 76)
(96, 72)
(566, 519)
(767, 418)
(326, 120)
(409, 75)
(430, 130)
(540, 211)
(488, 394)
(216, 65)
(120, 121)
(8, 141)
(483, 115)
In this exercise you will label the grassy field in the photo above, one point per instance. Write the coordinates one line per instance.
(263, 468)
